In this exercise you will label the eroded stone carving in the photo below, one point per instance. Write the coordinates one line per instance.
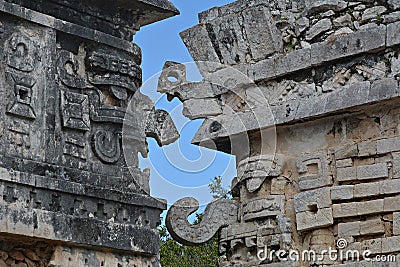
(75, 111)
(21, 103)
(107, 146)
(255, 170)
(331, 93)
(219, 213)
(68, 72)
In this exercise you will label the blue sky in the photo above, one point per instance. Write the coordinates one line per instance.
(180, 169)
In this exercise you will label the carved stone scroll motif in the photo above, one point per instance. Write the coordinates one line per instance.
(107, 146)
(218, 214)
(67, 68)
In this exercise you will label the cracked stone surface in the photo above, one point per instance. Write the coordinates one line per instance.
(318, 124)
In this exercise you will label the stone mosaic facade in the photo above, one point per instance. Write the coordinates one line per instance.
(69, 197)
(313, 120)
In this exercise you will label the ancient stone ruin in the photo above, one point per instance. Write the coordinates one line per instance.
(68, 194)
(306, 95)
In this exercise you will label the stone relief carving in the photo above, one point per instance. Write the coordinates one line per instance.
(75, 111)
(21, 103)
(23, 51)
(255, 170)
(68, 67)
(120, 72)
(68, 72)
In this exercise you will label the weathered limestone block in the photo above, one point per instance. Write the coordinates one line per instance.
(199, 34)
(391, 204)
(258, 20)
(392, 17)
(395, 4)
(396, 223)
(396, 166)
(388, 145)
(343, 21)
(366, 190)
(320, 27)
(367, 149)
(393, 34)
(344, 192)
(351, 44)
(360, 208)
(391, 244)
(217, 214)
(374, 171)
(202, 108)
(383, 89)
(301, 25)
(314, 171)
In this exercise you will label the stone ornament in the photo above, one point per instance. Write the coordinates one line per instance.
(68, 72)
(219, 213)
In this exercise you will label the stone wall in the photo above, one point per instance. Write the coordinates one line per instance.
(305, 94)
(68, 70)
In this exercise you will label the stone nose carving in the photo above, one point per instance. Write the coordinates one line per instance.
(220, 213)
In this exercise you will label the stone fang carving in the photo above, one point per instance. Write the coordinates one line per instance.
(219, 213)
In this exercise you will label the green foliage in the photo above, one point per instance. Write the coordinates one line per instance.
(217, 190)
(174, 254)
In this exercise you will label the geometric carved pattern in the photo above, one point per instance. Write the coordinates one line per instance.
(23, 52)
(75, 111)
(21, 104)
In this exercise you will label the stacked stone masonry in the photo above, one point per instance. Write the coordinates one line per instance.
(313, 88)
(68, 195)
